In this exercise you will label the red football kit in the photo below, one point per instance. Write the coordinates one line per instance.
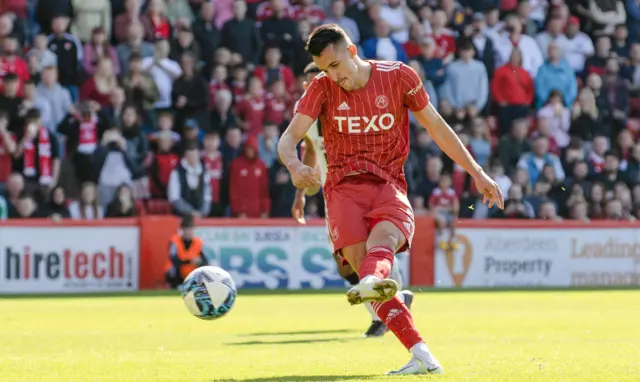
(366, 139)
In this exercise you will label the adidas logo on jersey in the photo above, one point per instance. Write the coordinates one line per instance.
(344, 106)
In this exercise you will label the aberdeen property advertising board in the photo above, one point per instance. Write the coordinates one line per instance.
(554, 257)
(68, 259)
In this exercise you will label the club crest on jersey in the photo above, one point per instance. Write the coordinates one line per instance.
(382, 102)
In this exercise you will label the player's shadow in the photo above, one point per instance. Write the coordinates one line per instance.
(292, 342)
(327, 378)
(295, 333)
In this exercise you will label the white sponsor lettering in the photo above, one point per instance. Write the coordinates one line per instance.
(355, 125)
(415, 90)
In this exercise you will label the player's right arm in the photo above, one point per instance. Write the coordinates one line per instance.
(309, 107)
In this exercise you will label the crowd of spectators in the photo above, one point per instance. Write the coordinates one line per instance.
(125, 107)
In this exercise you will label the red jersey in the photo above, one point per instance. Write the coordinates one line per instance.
(238, 89)
(214, 87)
(445, 43)
(214, 166)
(251, 111)
(366, 130)
(443, 199)
(276, 108)
(5, 159)
(314, 14)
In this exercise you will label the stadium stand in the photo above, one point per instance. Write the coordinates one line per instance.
(129, 107)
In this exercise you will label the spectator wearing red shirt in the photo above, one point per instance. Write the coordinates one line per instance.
(17, 7)
(239, 82)
(444, 38)
(11, 63)
(412, 46)
(512, 89)
(164, 161)
(213, 165)
(278, 104)
(444, 203)
(309, 11)
(7, 148)
(218, 82)
(249, 184)
(251, 110)
(273, 70)
(266, 10)
(155, 22)
(101, 85)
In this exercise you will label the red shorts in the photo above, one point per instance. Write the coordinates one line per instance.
(358, 203)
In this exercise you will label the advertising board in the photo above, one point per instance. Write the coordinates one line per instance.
(62, 259)
(519, 257)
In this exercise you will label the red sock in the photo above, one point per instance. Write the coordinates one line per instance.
(378, 263)
(398, 319)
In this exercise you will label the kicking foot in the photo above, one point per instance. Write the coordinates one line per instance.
(377, 329)
(416, 366)
(375, 290)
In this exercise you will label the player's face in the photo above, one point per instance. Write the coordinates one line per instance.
(337, 61)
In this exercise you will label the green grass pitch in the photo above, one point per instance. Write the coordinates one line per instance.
(478, 336)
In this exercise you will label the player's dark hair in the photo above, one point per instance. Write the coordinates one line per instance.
(312, 67)
(322, 37)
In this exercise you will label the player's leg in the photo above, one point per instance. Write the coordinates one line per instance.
(393, 231)
(405, 295)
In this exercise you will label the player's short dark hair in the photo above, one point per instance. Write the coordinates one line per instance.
(312, 67)
(322, 37)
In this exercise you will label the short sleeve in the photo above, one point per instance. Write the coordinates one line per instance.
(312, 101)
(415, 97)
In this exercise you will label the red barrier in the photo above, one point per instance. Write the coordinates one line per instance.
(155, 232)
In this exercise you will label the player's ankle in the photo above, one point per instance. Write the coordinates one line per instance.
(421, 351)
(369, 279)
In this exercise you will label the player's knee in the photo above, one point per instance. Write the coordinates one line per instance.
(386, 234)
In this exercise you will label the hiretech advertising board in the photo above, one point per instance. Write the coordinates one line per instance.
(545, 257)
(62, 259)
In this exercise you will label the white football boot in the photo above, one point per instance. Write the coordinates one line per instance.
(372, 289)
(422, 362)
(416, 367)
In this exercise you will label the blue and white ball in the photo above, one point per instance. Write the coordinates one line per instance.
(209, 292)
